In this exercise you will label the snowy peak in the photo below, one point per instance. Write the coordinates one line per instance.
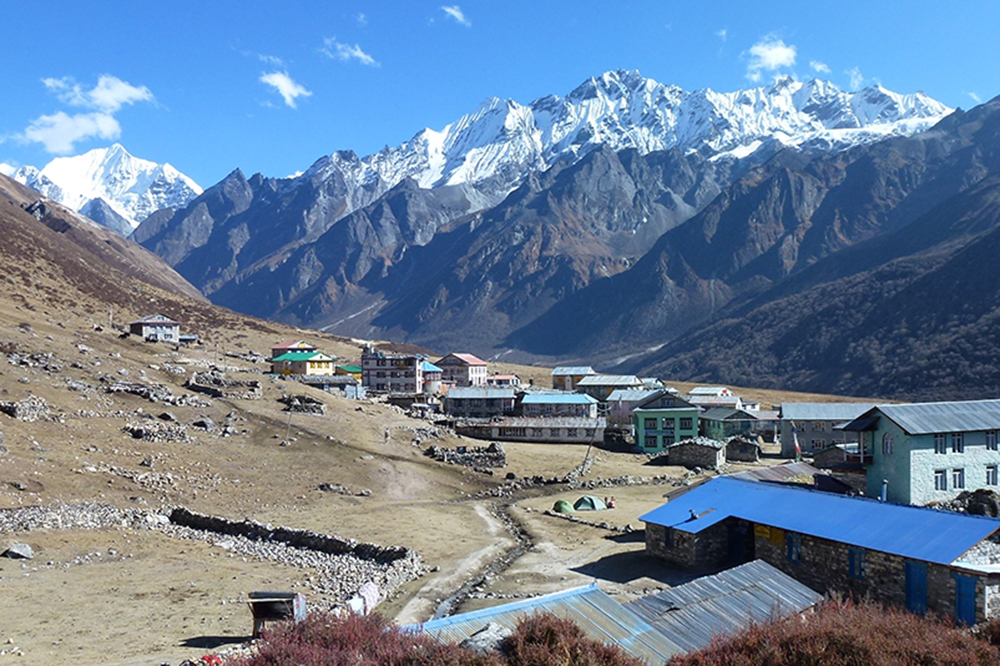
(131, 187)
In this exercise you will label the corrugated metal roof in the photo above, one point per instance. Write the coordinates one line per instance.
(154, 319)
(543, 422)
(924, 418)
(598, 615)
(480, 392)
(824, 411)
(572, 370)
(708, 390)
(609, 380)
(693, 613)
(908, 531)
(631, 395)
(427, 366)
(723, 413)
(558, 399)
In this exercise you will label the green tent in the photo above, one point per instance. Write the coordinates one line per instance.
(589, 503)
(562, 506)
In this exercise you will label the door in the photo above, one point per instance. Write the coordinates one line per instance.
(738, 533)
(916, 587)
(965, 599)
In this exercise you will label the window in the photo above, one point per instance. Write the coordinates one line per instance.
(940, 479)
(651, 441)
(668, 440)
(991, 475)
(958, 478)
(856, 563)
(649, 424)
(794, 547)
(957, 442)
(991, 440)
(686, 424)
(887, 443)
(939, 445)
(668, 425)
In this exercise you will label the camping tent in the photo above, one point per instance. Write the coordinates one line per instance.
(589, 503)
(562, 506)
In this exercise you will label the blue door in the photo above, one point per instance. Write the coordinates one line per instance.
(916, 587)
(965, 599)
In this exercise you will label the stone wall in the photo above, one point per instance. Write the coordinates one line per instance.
(692, 453)
(707, 549)
(217, 385)
(30, 409)
(742, 449)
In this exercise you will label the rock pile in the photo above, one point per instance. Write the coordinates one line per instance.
(981, 502)
(249, 355)
(157, 431)
(46, 361)
(30, 409)
(303, 404)
(344, 490)
(470, 456)
(216, 384)
(154, 393)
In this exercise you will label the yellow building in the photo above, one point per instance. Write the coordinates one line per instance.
(303, 363)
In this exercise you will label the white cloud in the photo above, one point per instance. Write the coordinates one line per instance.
(286, 87)
(362, 19)
(857, 79)
(338, 51)
(271, 60)
(456, 13)
(770, 54)
(722, 34)
(60, 131)
(819, 67)
(975, 97)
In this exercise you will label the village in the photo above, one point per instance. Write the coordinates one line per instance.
(653, 517)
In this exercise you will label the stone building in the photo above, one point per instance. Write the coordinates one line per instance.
(699, 452)
(921, 559)
(479, 401)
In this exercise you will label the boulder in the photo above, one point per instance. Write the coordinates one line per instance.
(19, 551)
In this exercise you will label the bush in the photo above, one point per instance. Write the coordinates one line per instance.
(546, 640)
(843, 633)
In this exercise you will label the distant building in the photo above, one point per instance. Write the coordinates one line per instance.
(391, 372)
(479, 401)
(352, 370)
(156, 328)
(432, 378)
(463, 369)
(721, 423)
(922, 559)
(930, 451)
(303, 363)
(542, 429)
(601, 386)
(621, 402)
(698, 452)
(286, 346)
(662, 420)
(816, 425)
(503, 380)
(558, 404)
(565, 378)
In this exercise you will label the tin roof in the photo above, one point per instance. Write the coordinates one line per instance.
(598, 615)
(610, 380)
(631, 395)
(480, 392)
(693, 613)
(924, 418)
(540, 422)
(302, 356)
(724, 413)
(823, 411)
(917, 533)
(558, 399)
(709, 390)
(427, 366)
(572, 370)
(154, 319)
(466, 359)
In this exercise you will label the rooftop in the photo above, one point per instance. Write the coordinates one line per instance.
(296, 356)
(154, 319)
(631, 395)
(573, 370)
(924, 418)
(921, 534)
(466, 359)
(610, 380)
(481, 393)
(427, 366)
(558, 399)
(823, 411)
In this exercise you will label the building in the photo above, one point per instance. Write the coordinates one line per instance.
(432, 378)
(539, 429)
(352, 370)
(503, 380)
(463, 370)
(621, 402)
(921, 559)
(388, 372)
(815, 425)
(565, 378)
(286, 346)
(303, 363)
(721, 423)
(929, 451)
(558, 404)
(479, 402)
(599, 616)
(663, 419)
(699, 452)
(602, 386)
(156, 328)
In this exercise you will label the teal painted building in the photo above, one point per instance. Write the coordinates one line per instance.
(927, 452)
(664, 419)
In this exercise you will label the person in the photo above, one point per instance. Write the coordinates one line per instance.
(611, 503)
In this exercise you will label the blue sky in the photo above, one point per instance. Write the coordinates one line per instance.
(270, 87)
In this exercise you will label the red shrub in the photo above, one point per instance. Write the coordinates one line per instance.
(546, 640)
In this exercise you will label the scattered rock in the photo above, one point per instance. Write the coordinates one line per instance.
(19, 551)
(488, 639)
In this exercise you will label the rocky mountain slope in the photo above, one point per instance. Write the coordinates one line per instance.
(110, 186)
(484, 225)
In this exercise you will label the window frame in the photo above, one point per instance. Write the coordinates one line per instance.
(887, 443)
(793, 547)
(958, 478)
(940, 443)
(992, 475)
(991, 440)
(856, 563)
(958, 442)
(940, 479)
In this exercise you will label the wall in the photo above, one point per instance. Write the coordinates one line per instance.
(692, 454)
(667, 426)
(821, 432)
(923, 461)
(706, 550)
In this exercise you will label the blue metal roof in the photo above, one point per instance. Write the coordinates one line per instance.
(693, 613)
(908, 531)
(427, 366)
(598, 615)
(557, 399)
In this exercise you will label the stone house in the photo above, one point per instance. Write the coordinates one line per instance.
(742, 449)
(817, 425)
(663, 419)
(156, 328)
(552, 429)
(930, 451)
(463, 370)
(479, 402)
(920, 559)
(699, 452)
(303, 363)
(565, 378)
(388, 372)
(558, 404)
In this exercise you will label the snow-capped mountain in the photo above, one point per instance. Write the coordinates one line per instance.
(502, 140)
(125, 188)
